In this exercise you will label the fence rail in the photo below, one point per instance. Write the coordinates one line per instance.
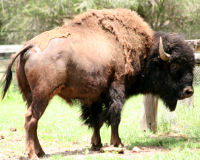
(7, 50)
(195, 43)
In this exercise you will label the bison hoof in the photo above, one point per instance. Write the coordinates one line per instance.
(41, 154)
(96, 147)
(32, 155)
(117, 144)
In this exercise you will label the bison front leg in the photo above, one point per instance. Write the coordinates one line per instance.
(117, 99)
(93, 116)
(34, 112)
(96, 138)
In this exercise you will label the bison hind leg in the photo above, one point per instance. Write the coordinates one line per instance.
(32, 116)
(93, 116)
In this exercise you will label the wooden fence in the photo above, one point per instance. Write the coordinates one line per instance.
(5, 52)
(150, 102)
(5, 49)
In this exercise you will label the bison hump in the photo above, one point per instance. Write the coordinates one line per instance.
(130, 31)
(43, 39)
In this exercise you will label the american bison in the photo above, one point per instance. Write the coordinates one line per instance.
(101, 58)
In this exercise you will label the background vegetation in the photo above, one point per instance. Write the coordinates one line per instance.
(20, 20)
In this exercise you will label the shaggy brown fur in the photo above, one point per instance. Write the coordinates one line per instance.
(43, 39)
(129, 29)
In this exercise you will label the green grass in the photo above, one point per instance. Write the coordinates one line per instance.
(61, 131)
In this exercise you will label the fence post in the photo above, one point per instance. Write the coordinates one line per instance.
(149, 113)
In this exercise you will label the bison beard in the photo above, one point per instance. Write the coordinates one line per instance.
(102, 58)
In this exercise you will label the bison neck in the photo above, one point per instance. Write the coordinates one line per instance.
(137, 85)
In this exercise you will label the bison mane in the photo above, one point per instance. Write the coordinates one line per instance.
(129, 30)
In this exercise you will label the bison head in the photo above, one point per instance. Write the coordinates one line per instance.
(169, 69)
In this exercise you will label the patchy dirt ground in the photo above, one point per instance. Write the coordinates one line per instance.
(12, 148)
(80, 153)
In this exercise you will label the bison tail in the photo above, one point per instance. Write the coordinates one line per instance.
(8, 75)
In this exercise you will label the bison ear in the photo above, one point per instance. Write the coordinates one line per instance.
(163, 55)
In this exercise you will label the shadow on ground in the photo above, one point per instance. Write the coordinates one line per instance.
(152, 145)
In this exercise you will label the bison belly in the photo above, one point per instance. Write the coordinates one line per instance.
(84, 86)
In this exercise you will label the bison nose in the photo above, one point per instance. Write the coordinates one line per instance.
(188, 91)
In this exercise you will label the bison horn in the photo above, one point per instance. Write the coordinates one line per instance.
(163, 55)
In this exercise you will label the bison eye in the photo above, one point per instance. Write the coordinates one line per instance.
(176, 71)
(174, 68)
